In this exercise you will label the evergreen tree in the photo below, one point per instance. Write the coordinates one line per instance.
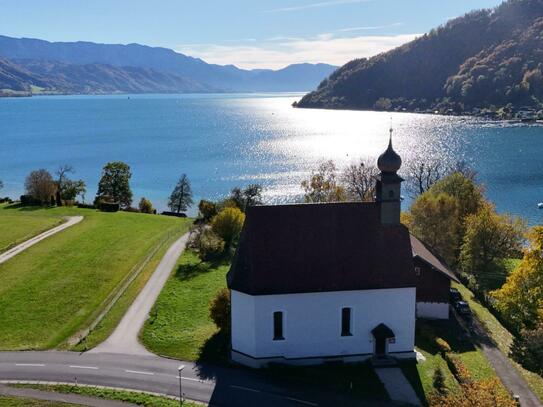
(181, 197)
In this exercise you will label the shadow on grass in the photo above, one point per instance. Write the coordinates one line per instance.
(450, 330)
(187, 271)
(214, 352)
(23, 208)
(409, 369)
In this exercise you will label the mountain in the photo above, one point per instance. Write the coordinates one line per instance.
(488, 59)
(118, 62)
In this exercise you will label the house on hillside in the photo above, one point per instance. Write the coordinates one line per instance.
(333, 282)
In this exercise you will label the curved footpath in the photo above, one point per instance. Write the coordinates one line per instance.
(71, 220)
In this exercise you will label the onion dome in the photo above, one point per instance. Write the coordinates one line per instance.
(389, 161)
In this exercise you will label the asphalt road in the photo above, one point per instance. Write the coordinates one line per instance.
(214, 385)
(124, 338)
(71, 220)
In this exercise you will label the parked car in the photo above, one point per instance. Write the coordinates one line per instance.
(463, 309)
(454, 295)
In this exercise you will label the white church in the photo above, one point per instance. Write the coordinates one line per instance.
(312, 283)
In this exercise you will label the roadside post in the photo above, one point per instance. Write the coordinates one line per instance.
(180, 370)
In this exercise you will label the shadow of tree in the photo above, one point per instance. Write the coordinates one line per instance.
(409, 369)
(450, 330)
(187, 271)
(213, 353)
(22, 208)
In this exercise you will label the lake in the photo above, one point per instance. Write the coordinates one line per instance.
(221, 141)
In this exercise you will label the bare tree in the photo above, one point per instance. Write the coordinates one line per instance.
(40, 185)
(423, 173)
(61, 179)
(358, 180)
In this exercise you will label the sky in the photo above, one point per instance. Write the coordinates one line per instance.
(246, 33)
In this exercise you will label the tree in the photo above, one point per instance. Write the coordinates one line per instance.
(227, 224)
(481, 393)
(61, 177)
(145, 206)
(520, 299)
(40, 185)
(467, 193)
(488, 238)
(527, 348)
(181, 197)
(219, 310)
(423, 173)
(322, 185)
(209, 245)
(250, 196)
(435, 220)
(358, 180)
(207, 210)
(115, 184)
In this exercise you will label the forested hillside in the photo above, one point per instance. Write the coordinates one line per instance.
(486, 60)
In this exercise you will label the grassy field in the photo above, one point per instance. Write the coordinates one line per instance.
(18, 225)
(179, 325)
(502, 337)
(56, 288)
(24, 402)
(134, 397)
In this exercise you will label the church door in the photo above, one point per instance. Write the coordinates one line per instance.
(380, 347)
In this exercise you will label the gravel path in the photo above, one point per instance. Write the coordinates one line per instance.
(125, 337)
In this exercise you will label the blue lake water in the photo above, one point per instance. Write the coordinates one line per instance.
(222, 141)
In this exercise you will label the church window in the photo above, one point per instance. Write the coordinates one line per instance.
(418, 271)
(346, 322)
(278, 326)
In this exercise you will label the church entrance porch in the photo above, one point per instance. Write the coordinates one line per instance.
(382, 335)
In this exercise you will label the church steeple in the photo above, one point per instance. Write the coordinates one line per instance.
(388, 188)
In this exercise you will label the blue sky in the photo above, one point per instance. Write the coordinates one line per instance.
(249, 34)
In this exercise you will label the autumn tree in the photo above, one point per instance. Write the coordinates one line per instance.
(207, 210)
(358, 180)
(115, 184)
(40, 185)
(181, 198)
(145, 206)
(435, 219)
(482, 393)
(323, 185)
(219, 309)
(520, 299)
(227, 224)
(488, 238)
(527, 348)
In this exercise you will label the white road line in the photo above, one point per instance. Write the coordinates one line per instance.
(244, 388)
(30, 364)
(84, 367)
(139, 372)
(301, 401)
(190, 379)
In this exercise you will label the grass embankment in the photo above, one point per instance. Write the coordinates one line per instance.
(25, 402)
(55, 288)
(20, 224)
(421, 374)
(179, 325)
(501, 337)
(134, 397)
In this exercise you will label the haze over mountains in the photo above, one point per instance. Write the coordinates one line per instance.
(487, 59)
(31, 65)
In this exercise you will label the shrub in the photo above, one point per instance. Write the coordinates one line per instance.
(219, 309)
(131, 209)
(207, 210)
(457, 368)
(109, 206)
(227, 224)
(85, 206)
(28, 200)
(145, 206)
(483, 393)
(209, 245)
(443, 346)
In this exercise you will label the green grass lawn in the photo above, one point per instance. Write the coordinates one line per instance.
(179, 325)
(134, 397)
(25, 402)
(502, 337)
(55, 288)
(20, 224)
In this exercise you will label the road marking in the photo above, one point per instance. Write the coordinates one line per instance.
(139, 372)
(190, 379)
(30, 364)
(244, 388)
(83, 367)
(309, 403)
